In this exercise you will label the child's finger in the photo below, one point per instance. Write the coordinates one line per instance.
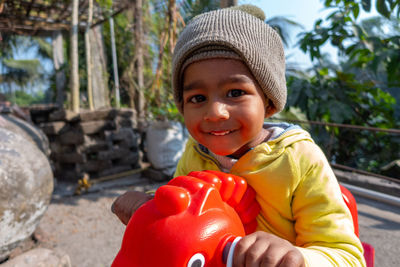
(254, 255)
(292, 259)
(273, 256)
(239, 256)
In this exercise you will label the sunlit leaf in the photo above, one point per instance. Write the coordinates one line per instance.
(356, 11)
(382, 8)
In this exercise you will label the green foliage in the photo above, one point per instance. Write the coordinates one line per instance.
(292, 113)
(167, 111)
(192, 8)
(342, 99)
(283, 26)
(158, 46)
(26, 66)
(22, 75)
(45, 49)
(105, 4)
(24, 99)
(360, 91)
(154, 22)
(384, 7)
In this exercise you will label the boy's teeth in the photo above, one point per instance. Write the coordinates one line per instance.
(219, 133)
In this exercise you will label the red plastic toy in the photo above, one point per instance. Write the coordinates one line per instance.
(369, 251)
(192, 221)
(196, 221)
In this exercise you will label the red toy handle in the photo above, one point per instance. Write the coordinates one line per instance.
(235, 191)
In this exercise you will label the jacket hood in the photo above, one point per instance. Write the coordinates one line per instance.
(284, 138)
(285, 134)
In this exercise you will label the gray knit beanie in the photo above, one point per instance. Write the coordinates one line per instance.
(233, 33)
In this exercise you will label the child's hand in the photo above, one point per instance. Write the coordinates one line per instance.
(126, 204)
(266, 250)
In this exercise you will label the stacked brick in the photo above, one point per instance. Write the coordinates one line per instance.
(97, 143)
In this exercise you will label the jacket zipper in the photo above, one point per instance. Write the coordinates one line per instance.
(207, 157)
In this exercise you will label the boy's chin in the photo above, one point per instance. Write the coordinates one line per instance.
(222, 152)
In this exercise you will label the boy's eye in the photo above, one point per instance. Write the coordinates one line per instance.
(235, 93)
(197, 99)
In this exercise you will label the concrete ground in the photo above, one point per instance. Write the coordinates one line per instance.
(380, 226)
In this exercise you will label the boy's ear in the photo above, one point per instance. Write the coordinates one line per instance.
(269, 111)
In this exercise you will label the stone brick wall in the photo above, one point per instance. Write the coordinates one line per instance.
(97, 143)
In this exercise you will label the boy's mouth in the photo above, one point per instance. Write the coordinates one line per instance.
(220, 133)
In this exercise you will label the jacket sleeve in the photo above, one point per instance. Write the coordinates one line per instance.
(323, 223)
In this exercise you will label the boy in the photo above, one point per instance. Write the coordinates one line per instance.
(228, 76)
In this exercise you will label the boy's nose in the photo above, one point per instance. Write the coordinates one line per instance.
(217, 111)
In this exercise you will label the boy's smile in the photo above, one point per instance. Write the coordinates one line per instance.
(220, 133)
(223, 106)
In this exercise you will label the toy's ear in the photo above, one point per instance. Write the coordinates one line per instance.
(171, 200)
(207, 198)
(190, 183)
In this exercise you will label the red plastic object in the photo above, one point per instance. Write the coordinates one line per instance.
(352, 205)
(193, 220)
(369, 254)
(186, 224)
(369, 251)
(235, 191)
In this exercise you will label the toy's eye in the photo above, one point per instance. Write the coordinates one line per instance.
(197, 260)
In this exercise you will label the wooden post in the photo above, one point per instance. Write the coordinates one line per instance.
(139, 62)
(58, 62)
(74, 76)
(115, 64)
(88, 55)
(99, 68)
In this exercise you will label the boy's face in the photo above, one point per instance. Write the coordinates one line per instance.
(223, 106)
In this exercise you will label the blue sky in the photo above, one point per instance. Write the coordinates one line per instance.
(305, 12)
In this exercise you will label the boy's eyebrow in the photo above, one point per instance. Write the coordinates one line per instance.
(236, 79)
(231, 79)
(193, 85)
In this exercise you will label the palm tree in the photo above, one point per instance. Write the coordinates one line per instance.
(21, 74)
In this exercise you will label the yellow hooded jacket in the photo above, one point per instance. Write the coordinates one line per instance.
(299, 196)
